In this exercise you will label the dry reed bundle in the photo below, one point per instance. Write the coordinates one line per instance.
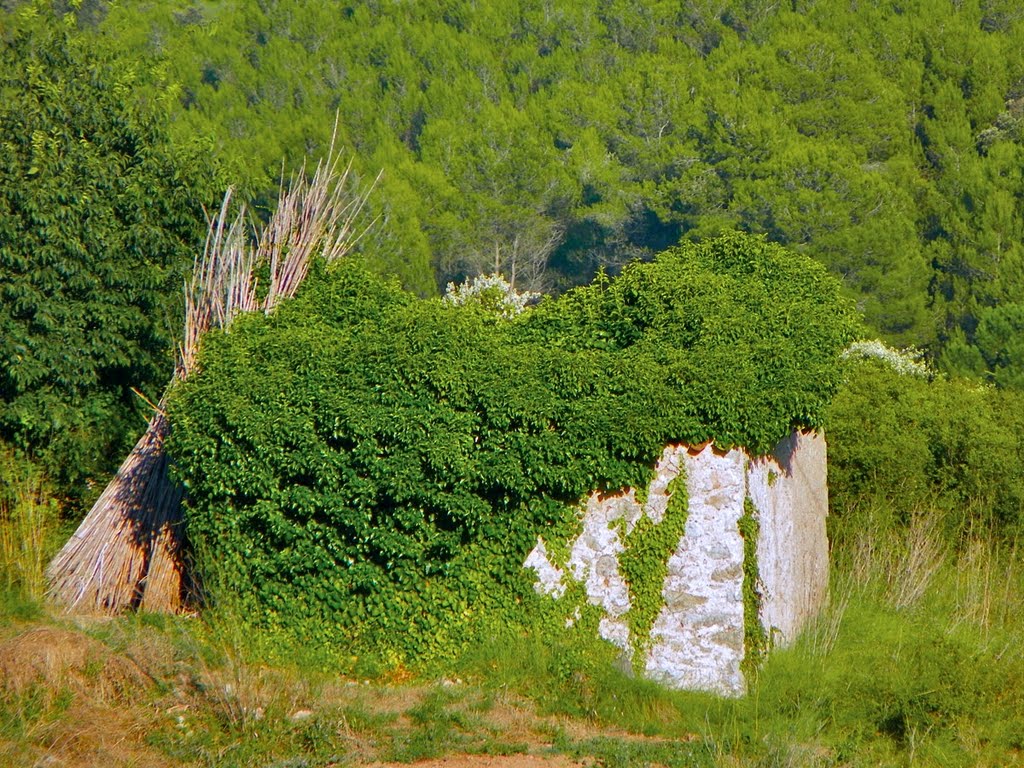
(129, 551)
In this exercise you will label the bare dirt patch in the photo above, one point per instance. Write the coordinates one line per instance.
(490, 761)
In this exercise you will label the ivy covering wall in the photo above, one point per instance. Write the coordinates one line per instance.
(368, 470)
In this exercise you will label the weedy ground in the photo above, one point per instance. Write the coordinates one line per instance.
(158, 691)
(918, 660)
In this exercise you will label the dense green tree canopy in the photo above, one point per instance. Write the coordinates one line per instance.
(100, 218)
(547, 138)
(882, 139)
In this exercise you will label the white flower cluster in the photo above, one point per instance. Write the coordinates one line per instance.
(906, 362)
(492, 292)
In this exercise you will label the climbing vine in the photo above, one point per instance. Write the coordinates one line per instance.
(369, 470)
(755, 639)
(644, 565)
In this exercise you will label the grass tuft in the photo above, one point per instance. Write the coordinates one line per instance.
(28, 528)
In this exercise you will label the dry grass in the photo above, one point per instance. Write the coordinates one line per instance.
(58, 660)
(128, 552)
(988, 586)
(902, 561)
(917, 560)
(978, 580)
(121, 692)
(823, 632)
(70, 701)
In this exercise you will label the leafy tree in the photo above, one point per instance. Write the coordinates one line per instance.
(100, 218)
(1000, 339)
(883, 139)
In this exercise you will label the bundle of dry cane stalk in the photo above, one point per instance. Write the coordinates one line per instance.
(129, 551)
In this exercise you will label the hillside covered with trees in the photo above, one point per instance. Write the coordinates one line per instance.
(552, 139)
(792, 177)
(883, 139)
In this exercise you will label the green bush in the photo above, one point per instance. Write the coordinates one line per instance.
(954, 445)
(371, 468)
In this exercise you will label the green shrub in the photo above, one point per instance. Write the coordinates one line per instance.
(951, 444)
(368, 468)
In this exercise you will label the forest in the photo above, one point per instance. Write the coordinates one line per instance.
(566, 146)
(549, 140)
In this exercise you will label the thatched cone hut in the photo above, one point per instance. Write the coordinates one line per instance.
(129, 551)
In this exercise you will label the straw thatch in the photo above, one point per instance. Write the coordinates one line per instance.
(129, 551)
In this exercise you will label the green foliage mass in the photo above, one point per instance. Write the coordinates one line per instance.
(949, 445)
(755, 639)
(100, 218)
(997, 351)
(368, 468)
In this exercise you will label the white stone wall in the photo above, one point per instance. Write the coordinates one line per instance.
(594, 560)
(697, 641)
(790, 495)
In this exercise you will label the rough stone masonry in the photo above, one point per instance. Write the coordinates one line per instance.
(697, 641)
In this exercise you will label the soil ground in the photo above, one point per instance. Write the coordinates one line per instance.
(486, 761)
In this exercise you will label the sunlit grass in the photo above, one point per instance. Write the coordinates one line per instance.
(917, 660)
(28, 528)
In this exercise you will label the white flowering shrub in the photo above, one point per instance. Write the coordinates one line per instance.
(493, 292)
(906, 362)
